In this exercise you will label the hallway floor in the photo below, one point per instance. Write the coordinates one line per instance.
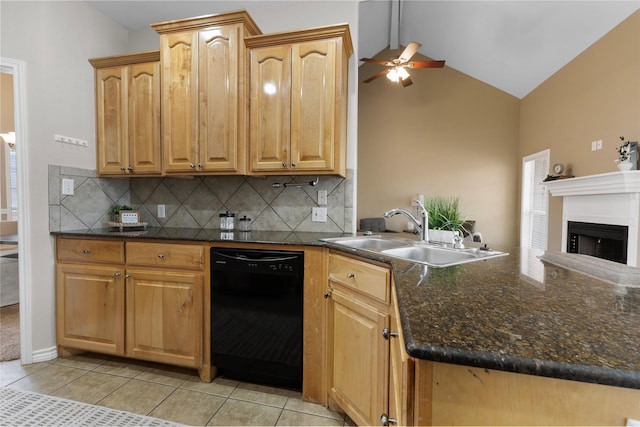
(166, 392)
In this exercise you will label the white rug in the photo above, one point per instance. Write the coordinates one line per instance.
(33, 409)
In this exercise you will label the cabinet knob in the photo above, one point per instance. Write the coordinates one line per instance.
(293, 164)
(192, 166)
(127, 276)
(160, 256)
(122, 168)
(350, 275)
(130, 169)
(385, 420)
(117, 274)
(86, 251)
(386, 334)
(327, 295)
(200, 166)
(284, 164)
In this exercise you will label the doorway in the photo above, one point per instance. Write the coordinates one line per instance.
(16, 210)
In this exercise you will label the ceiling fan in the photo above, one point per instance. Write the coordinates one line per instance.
(396, 68)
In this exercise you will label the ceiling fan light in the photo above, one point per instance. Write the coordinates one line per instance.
(393, 75)
(402, 73)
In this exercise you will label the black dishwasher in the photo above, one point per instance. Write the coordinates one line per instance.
(256, 315)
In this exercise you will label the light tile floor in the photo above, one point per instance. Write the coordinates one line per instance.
(166, 392)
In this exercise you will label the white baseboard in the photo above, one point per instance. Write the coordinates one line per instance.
(44, 355)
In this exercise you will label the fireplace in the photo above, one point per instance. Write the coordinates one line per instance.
(601, 215)
(600, 240)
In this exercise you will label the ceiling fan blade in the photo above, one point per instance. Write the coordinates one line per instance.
(375, 76)
(376, 61)
(406, 82)
(424, 64)
(409, 51)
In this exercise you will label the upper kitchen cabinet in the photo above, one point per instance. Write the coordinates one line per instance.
(128, 114)
(204, 104)
(298, 101)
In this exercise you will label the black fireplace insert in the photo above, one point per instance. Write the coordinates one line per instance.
(605, 241)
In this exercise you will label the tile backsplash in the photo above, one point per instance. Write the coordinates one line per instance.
(197, 202)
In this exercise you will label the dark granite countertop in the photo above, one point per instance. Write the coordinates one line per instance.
(513, 313)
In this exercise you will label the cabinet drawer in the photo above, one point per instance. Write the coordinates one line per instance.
(166, 255)
(80, 250)
(367, 278)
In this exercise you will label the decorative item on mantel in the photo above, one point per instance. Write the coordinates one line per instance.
(558, 169)
(627, 155)
(124, 216)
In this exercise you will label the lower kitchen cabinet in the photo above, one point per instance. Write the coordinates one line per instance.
(358, 338)
(164, 316)
(90, 307)
(147, 305)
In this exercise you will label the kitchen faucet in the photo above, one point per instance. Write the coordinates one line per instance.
(422, 226)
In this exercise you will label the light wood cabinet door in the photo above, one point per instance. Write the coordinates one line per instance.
(358, 358)
(128, 114)
(111, 120)
(221, 128)
(90, 307)
(313, 104)
(270, 117)
(145, 154)
(401, 373)
(179, 59)
(164, 316)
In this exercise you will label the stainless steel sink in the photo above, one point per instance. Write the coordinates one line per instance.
(409, 250)
(372, 243)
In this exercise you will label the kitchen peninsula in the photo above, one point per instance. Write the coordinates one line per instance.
(510, 340)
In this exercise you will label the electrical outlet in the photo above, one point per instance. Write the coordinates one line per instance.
(319, 214)
(599, 144)
(67, 187)
(161, 211)
(322, 197)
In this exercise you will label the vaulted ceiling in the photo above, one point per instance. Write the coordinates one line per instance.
(511, 45)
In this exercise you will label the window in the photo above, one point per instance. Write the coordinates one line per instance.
(534, 210)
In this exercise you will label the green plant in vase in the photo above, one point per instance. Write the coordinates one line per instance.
(444, 214)
(115, 210)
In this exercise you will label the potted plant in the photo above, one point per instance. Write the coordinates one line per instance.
(624, 155)
(445, 217)
(114, 211)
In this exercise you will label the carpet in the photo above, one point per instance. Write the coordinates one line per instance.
(21, 408)
(9, 332)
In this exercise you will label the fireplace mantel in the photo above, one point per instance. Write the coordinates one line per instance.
(608, 198)
(606, 183)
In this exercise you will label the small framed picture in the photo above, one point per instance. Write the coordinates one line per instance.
(129, 217)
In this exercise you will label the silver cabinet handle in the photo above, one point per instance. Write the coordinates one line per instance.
(192, 166)
(130, 169)
(86, 251)
(117, 274)
(385, 420)
(386, 334)
(351, 276)
(293, 164)
(160, 256)
(327, 295)
(200, 166)
(284, 164)
(127, 276)
(122, 168)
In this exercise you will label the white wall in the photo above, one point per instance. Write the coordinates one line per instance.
(55, 39)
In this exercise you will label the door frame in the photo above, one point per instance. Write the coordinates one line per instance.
(17, 69)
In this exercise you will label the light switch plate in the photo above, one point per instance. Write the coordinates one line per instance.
(319, 214)
(67, 187)
(322, 197)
